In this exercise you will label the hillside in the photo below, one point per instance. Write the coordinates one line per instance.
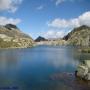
(12, 37)
(79, 36)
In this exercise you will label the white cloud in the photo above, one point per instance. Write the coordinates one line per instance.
(61, 1)
(62, 23)
(9, 5)
(40, 7)
(54, 34)
(4, 21)
(65, 26)
(83, 19)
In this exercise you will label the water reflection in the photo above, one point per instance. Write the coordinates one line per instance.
(8, 59)
(60, 57)
(30, 69)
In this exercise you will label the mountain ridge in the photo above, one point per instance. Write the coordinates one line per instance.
(12, 37)
(79, 36)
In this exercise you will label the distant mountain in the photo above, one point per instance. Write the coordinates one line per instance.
(40, 39)
(79, 36)
(11, 36)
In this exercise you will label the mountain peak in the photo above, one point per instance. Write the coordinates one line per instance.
(79, 36)
(83, 27)
(40, 39)
(10, 26)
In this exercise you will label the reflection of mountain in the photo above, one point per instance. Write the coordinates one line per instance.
(8, 60)
(11, 36)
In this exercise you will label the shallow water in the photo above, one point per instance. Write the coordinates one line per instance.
(37, 68)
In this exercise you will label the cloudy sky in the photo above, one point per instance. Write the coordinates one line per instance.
(48, 18)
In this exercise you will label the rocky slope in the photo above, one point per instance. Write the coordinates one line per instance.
(12, 37)
(79, 36)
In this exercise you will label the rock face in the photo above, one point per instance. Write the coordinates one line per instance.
(83, 70)
(40, 39)
(12, 37)
(79, 36)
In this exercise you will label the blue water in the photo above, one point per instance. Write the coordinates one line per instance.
(31, 68)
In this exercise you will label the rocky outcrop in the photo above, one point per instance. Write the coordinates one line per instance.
(83, 70)
(12, 37)
(79, 36)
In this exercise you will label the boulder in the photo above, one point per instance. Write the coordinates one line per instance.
(83, 70)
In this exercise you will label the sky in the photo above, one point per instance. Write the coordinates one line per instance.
(47, 18)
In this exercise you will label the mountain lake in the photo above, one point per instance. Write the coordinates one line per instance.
(41, 68)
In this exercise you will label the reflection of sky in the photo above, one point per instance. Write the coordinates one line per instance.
(61, 57)
(34, 65)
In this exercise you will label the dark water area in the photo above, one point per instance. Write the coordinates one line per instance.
(41, 68)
